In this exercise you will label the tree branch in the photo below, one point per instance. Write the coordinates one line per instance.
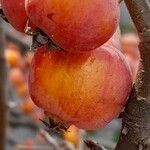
(2, 91)
(140, 13)
(136, 119)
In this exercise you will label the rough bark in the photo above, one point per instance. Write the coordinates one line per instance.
(2, 91)
(135, 133)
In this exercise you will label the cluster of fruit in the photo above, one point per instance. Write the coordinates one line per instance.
(18, 66)
(18, 72)
(84, 79)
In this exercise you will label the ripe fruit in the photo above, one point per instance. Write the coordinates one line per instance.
(85, 89)
(73, 136)
(27, 106)
(14, 11)
(75, 25)
(13, 57)
(130, 42)
(22, 89)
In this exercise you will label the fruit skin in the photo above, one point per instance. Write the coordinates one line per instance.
(14, 11)
(75, 25)
(84, 89)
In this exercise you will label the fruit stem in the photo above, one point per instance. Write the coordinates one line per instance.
(41, 39)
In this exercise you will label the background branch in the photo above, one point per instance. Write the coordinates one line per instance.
(2, 90)
(135, 133)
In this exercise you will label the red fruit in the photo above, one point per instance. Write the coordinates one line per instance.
(75, 25)
(84, 89)
(14, 11)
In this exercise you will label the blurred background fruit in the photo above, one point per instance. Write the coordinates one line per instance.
(16, 77)
(73, 135)
(130, 43)
(27, 106)
(13, 57)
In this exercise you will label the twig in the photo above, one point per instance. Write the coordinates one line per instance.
(90, 145)
(57, 144)
(49, 139)
(33, 147)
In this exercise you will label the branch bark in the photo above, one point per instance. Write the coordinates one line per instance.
(2, 91)
(135, 133)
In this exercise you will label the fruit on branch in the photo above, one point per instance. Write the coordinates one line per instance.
(130, 42)
(27, 106)
(22, 90)
(73, 136)
(85, 89)
(13, 57)
(14, 11)
(75, 25)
